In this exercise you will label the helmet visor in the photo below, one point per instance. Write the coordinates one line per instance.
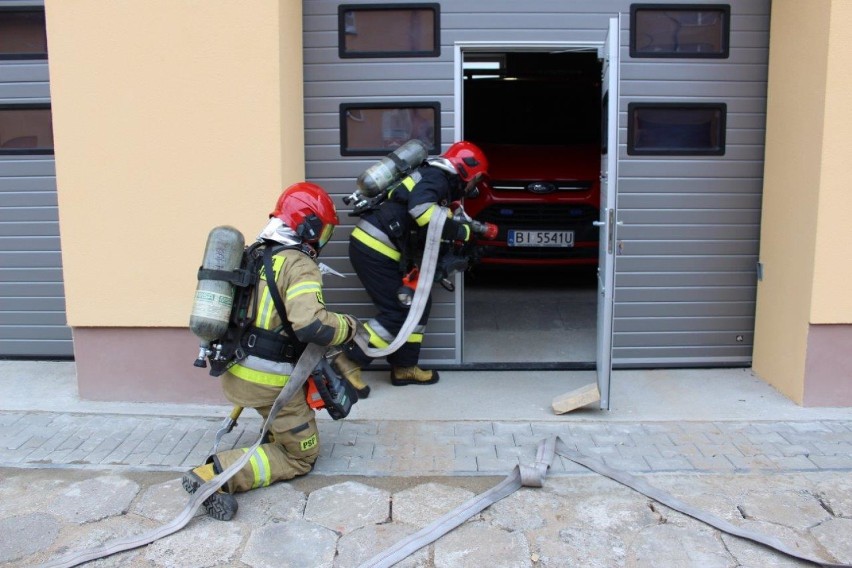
(325, 235)
(472, 188)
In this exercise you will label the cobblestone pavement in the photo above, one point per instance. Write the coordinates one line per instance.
(72, 481)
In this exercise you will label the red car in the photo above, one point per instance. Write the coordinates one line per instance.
(544, 199)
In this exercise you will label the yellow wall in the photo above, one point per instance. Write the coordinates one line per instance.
(794, 193)
(832, 291)
(169, 118)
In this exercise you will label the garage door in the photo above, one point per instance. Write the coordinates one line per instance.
(32, 302)
(691, 111)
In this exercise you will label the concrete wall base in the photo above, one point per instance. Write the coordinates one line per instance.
(828, 366)
(142, 365)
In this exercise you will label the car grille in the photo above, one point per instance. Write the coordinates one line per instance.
(553, 216)
(525, 185)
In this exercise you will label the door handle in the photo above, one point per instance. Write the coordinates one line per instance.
(609, 223)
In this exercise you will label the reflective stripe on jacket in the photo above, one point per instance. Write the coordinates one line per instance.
(299, 282)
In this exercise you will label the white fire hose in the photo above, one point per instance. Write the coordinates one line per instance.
(421, 293)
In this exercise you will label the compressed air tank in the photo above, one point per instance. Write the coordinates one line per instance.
(214, 298)
(383, 173)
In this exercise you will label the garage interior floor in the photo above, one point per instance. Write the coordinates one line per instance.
(530, 316)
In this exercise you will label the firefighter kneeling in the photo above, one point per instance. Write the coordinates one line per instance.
(301, 224)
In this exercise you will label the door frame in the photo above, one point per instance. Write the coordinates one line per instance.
(459, 48)
(608, 220)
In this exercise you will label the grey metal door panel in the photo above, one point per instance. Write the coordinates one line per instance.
(33, 304)
(51, 275)
(27, 198)
(691, 185)
(695, 216)
(32, 332)
(691, 248)
(650, 310)
(37, 349)
(677, 201)
(741, 135)
(30, 244)
(26, 229)
(16, 184)
(14, 92)
(663, 293)
(29, 259)
(13, 290)
(414, 89)
(638, 73)
(680, 356)
(677, 279)
(710, 90)
(684, 339)
(13, 166)
(22, 73)
(33, 319)
(755, 39)
(692, 168)
(628, 264)
(685, 324)
(19, 214)
(690, 232)
(421, 72)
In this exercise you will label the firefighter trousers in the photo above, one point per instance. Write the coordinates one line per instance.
(294, 442)
(381, 277)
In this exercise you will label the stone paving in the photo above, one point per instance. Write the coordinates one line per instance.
(578, 520)
(72, 481)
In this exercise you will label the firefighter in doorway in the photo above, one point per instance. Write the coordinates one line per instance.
(300, 225)
(381, 240)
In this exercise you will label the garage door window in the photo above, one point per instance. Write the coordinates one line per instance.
(26, 129)
(679, 30)
(22, 34)
(376, 129)
(388, 30)
(676, 129)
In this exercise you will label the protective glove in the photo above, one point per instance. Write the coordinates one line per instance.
(356, 329)
(456, 231)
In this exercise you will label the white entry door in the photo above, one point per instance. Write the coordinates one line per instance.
(607, 222)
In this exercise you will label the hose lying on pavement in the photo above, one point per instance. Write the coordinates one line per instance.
(533, 476)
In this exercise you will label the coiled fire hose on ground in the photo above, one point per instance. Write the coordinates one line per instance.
(304, 367)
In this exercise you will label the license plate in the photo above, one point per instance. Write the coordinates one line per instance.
(540, 238)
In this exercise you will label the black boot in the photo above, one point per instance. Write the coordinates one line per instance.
(221, 506)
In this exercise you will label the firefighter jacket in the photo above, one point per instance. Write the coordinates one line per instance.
(410, 205)
(300, 284)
